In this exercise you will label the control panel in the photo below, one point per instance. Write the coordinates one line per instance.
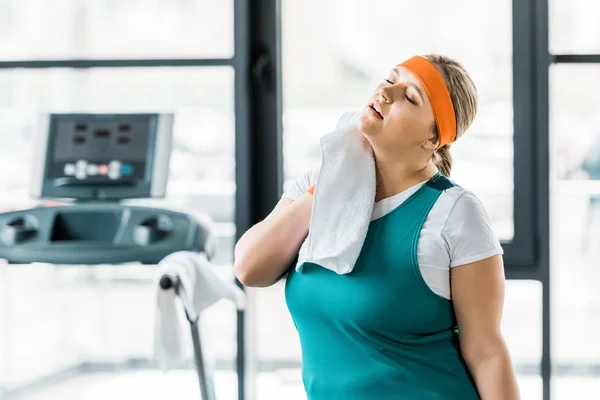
(101, 156)
(84, 169)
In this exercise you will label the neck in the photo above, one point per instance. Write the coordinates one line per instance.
(394, 176)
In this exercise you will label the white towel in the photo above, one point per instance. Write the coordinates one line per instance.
(202, 287)
(343, 200)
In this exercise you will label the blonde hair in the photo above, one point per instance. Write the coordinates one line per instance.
(464, 99)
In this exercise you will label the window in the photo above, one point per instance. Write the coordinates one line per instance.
(356, 43)
(54, 318)
(574, 26)
(73, 29)
(522, 329)
(357, 49)
(5, 17)
(575, 227)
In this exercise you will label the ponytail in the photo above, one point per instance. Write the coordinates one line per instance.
(443, 160)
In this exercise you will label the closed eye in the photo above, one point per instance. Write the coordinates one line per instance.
(405, 95)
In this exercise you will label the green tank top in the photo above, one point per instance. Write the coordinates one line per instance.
(380, 332)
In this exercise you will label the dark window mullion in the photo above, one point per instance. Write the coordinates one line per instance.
(541, 185)
(575, 58)
(531, 60)
(521, 251)
(258, 137)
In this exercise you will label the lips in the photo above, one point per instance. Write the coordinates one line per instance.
(377, 108)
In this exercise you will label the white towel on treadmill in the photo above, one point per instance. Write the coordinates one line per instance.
(343, 200)
(202, 287)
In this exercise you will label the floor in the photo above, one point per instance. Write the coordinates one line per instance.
(181, 385)
(54, 317)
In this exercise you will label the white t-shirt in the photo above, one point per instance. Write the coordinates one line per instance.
(458, 230)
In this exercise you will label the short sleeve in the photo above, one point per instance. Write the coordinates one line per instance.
(469, 232)
(298, 187)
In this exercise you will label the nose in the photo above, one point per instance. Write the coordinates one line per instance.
(385, 93)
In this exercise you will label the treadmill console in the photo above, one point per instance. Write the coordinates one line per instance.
(101, 156)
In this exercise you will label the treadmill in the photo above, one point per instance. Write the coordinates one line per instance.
(93, 162)
(98, 160)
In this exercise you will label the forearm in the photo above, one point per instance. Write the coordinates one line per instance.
(267, 249)
(495, 377)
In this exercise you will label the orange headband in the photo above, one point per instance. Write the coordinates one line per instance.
(438, 94)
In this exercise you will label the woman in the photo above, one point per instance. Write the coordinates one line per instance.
(430, 266)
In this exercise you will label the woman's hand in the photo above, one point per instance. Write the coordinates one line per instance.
(478, 297)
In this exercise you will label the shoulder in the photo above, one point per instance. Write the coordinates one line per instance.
(450, 198)
(466, 204)
(459, 207)
(463, 207)
(468, 230)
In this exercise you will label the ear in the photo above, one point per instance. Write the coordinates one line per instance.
(430, 143)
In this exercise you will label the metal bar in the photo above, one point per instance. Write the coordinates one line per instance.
(542, 182)
(575, 59)
(267, 125)
(521, 250)
(204, 381)
(521, 272)
(258, 114)
(207, 389)
(530, 67)
(243, 159)
(131, 63)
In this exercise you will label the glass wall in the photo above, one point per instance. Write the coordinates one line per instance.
(61, 322)
(574, 27)
(356, 43)
(99, 29)
(575, 222)
(333, 67)
(57, 323)
(575, 200)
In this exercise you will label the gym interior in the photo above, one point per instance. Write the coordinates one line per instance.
(132, 130)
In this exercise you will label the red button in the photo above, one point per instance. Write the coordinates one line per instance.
(103, 169)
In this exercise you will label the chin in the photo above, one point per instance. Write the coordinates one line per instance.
(368, 125)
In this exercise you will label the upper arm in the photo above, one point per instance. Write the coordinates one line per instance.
(281, 204)
(478, 298)
(476, 277)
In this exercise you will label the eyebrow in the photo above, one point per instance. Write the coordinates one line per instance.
(412, 84)
(417, 89)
